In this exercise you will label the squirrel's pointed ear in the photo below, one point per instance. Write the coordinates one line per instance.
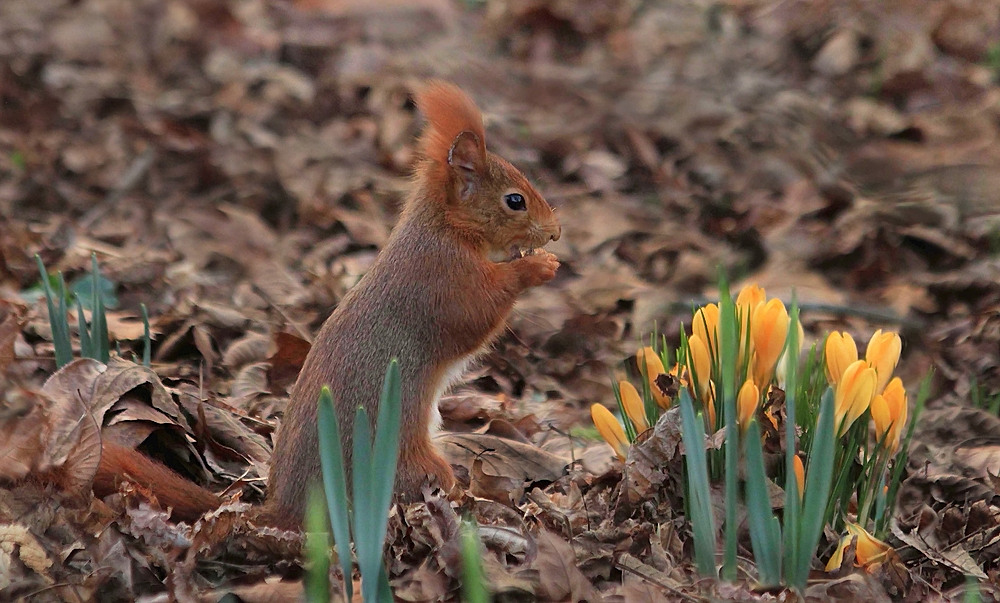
(466, 159)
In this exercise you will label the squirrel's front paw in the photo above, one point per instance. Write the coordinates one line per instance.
(537, 269)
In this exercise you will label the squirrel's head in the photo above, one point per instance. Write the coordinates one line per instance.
(483, 194)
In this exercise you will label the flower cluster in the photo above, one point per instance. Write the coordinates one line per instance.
(859, 388)
(867, 385)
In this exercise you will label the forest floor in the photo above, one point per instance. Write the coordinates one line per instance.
(236, 166)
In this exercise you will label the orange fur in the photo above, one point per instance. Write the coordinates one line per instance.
(449, 112)
(118, 463)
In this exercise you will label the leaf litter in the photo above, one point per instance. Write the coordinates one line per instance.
(236, 167)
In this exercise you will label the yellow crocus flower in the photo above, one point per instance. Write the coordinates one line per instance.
(869, 554)
(634, 408)
(649, 360)
(610, 429)
(750, 295)
(853, 394)
(700, 364)
(746, 403)
(769, 327)
(705, 322)
(883, 356)
(840, 351)
(889, 414)
(750, 299)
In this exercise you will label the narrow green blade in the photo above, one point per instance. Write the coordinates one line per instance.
(335, 484)
(473, 580)
(728, 343)
(765, 534)
(386, 451)
(819, 475)
(702, 521)
(367, 545)
(317, 580)
(793, 502)
(86, 349)
(99, 322)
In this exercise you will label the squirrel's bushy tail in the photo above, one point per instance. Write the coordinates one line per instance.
(188, 500)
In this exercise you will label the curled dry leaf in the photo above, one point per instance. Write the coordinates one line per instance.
(11, 321)
(17, 541)
(508, 541)
(250, 381)
(251, 348)
(502, 457)
(74, 440)
(654, 462)
(559, 578)
(122, 377)
(425, 582)
(469, 406)
(226, 429)
(155, 527)
(507, 490)
(23, 428)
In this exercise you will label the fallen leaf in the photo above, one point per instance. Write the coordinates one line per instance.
(559, 578)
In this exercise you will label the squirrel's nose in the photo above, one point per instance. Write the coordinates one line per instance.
(557, 233)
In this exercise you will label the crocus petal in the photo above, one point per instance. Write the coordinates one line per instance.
(895, 399)
(882, 418)
(748, 302)
(699, 364)
(800, 475)
(871, 551)
(634, 408)
(610, 429)
(854, 393)
(837, 559)
(769, 328)
(750, 295)
(840, 351)
(746, 403)
(706, 322)
(882, 355)
(649, 360)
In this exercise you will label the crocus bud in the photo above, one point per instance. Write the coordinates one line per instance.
(883, 356)
(840, 351)
(610, 429)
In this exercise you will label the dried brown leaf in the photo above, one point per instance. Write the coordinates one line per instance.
(502, 457)
(287, 360)
(252, 347)
(559, 578)
(23, 429)
(11, 321)
(16, 541)
(500, 488)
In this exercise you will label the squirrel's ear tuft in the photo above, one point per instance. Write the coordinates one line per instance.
(451, 116)
(466, 162)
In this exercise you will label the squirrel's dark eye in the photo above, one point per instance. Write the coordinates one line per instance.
(515, 201)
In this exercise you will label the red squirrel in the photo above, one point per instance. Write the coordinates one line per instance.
(466, 245)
